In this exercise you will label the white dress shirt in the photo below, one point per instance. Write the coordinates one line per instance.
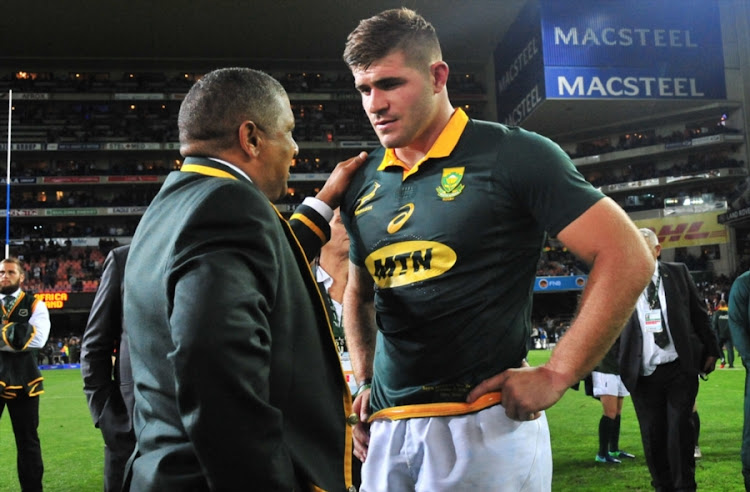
(653, 355)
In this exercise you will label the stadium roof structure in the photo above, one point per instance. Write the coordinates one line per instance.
(206, 34)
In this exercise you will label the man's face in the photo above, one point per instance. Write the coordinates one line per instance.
(277, 153)
(10, 278)
(339, 243)
(398, 99)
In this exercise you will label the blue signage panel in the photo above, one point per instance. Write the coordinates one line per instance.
(519, 68)
(636, 49)
(559, 284)
(629, 83)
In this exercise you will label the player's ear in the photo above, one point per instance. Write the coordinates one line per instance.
(439, 72)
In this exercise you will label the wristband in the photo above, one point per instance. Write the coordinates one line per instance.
(364, 385)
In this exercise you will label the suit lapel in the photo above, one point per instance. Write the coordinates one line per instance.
(307, 274)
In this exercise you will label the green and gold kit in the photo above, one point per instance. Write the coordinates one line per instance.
(452, 246)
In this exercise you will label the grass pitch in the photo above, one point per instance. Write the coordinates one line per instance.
(73, 448)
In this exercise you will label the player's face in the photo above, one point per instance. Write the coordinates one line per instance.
(10, 278)
(277, 153)
(399, 100)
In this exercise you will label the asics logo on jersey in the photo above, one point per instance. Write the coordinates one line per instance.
(399, 220)
(408, 262)
(369, 196)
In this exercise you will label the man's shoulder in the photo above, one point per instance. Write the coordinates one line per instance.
(673, 265)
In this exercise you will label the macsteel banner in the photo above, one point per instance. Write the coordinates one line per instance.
(640, 49)
(519, 68)
(609, 49)
(687, 230)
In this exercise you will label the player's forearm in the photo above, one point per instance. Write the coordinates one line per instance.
(608, 301)
(360, 332)
(360, 329)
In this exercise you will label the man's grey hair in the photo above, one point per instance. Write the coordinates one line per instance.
(650, 236)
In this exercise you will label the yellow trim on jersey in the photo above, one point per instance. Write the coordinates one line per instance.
(437, 409)
(443, 146)
(310, 225)
(206, 170)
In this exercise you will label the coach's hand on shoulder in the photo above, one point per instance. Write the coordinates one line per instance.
(339, 180)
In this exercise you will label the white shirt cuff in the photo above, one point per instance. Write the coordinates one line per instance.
(319, 206)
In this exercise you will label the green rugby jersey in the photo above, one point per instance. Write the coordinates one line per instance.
(452, 246)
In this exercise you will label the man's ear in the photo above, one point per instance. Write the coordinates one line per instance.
(439, 71)
(250, 138)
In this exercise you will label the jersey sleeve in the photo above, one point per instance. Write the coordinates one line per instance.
(544, 178)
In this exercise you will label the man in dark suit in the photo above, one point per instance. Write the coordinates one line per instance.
(238, 383)
(106, 372)
(665, 345)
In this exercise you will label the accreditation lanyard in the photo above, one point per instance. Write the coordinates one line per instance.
(653, 315)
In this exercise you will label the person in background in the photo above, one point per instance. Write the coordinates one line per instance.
(106, 372)
(237, 375)
(25, 329)
(447, 221)
(696, 418)
(608, 388)
(739, 326)
(720, 325)
(665, 345)
(331, 270)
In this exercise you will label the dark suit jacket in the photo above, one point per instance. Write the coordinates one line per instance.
(109, 390)
(688, 324)
(238, 382)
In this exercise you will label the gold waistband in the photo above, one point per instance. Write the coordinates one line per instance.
(437, 409)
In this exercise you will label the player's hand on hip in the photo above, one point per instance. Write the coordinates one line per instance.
(526, 391)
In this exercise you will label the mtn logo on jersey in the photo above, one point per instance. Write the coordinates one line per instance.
(408, 262)
(450, 184)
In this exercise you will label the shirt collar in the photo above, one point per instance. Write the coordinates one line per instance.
(655, 275)
(443, 146)
(14, 294)
(211, 166)
(231, 166)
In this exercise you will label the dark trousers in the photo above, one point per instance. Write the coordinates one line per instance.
(119, 442)
(663, 403)
(727, 342)
(24, 417)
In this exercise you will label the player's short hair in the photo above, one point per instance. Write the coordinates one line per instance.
(389, 31)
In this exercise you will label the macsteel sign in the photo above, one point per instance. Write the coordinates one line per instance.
(634, 49)
(606, 49)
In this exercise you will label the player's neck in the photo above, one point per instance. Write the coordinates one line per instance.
(420, 146)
